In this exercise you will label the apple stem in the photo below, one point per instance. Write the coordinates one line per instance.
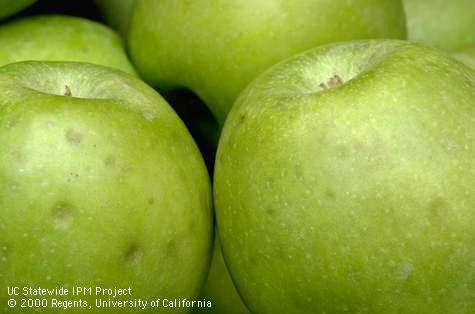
(67, 91)
(334, 81)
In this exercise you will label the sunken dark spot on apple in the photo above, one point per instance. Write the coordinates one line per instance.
(109, 161)
(331, 195)
(242, 118)
(67, 91)
(63, 214)
(171, 249)
(133, 254)
(151, 201)
(74, 137)
(18, 156)
(271, 212)
(342, 151)
(438, 211)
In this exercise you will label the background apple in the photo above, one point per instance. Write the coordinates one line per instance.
(9, 7)
(344, 183)
(466, 56)
(448, 25)
(219, 287)
(101, 185)
(62, 38)
(215, 48)
(116, 13)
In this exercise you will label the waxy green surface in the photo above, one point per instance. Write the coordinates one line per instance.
(448, 25)
(345, 183)
(219, 288)
(216, 47)
(62, 38)
(116, 13)
(467, 56)
(100, 185)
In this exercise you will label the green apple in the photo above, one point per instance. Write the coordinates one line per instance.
(219, 288)
(10, 7)
(448, 25)
(116, 13)
(62, 38)
(345, 183)
(100, 185)
(467, 56)
(216, 47)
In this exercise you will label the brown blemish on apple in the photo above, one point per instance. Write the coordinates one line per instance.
(109, 161)
(151, 201)
(74, 137)
(270, 212)
(63, 214)
(171, 249)
(18, 156)
(330, 194)
(67, 91)
(133, 253)
(242, 117)
(438, 211)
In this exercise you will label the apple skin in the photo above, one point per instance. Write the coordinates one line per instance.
(10, 7)
(219, 288)
(467, 56)
(216, 47)
(116, 13)
(104, 188)
(352, 195)
(447, 25)
(62, 38)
